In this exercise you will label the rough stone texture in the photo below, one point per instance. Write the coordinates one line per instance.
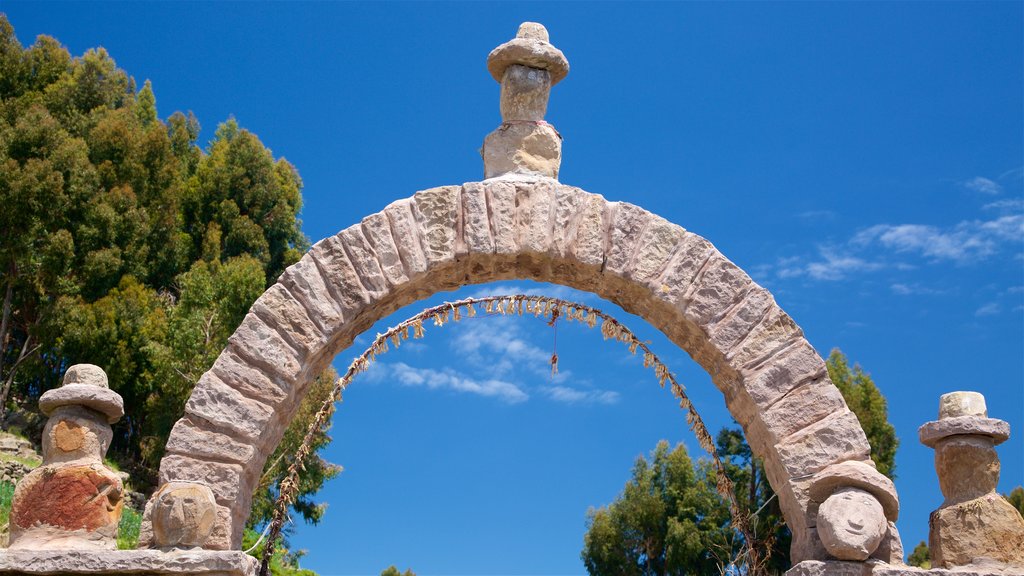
(861, 475)
(524, 93)
(72, 500)
(986, 527)
(956, 404)
(183, 515)
(874, 568)
(522, 148)
(101, 399)
(205, 562)
(968, 467)
(519, 228)
(530, 48)
(932, 432)
(851, 524)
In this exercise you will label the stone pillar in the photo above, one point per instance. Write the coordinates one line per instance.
(527, 67)
(72, 501)
(974, 524)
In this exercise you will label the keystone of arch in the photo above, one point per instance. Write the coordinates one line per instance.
(774, 383)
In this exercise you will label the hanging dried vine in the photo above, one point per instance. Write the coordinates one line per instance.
(552, 309)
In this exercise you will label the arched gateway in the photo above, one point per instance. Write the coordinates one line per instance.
(522, 223)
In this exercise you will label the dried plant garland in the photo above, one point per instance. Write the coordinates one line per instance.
(546, 307)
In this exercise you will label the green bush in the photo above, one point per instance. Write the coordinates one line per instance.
(128, 529)
(6, 496)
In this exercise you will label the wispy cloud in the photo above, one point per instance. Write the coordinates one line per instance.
(990, 309)
(831, 264)
(914, 290)
(1007, 205)
(569, 395)
(498, 345)
(448, 379)
(983, 185)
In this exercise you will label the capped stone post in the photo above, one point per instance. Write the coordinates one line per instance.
(527, 67)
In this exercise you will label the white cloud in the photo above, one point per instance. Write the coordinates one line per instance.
(498, 345)
(831, 265)
(576, 396)
(1007, 205)
(983, 185)
(448, 379)
(913, 289)
(990, 309)
(966, 241)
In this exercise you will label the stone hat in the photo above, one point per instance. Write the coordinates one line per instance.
(856, 474)
(963, 413)
(530, 48)
(84, 385)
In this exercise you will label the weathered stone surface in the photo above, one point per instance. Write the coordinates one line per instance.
(986, 527)
(769, 382)
(341, 278)
(530, 48)
(364, 260)
(628, 223)
(776, 331)
(437, 213)
(931, 432)
(657, 244)
(279, 309)
(967, 466)
(183, 515)
(834, 439)
(86, 374)
(191, 439)
(856, 474)
(476, 219)
(829, 568)
(851, 524)
(524, 93)
(102, 400)
(224, 479)
(719, 285)
(198, 562)
(568, 200)
(304, 282)
(589, 248)
(263, 345)
(533, 216)
(961, 403)
(406, 233)
(377, 231)
(739, 320)
(522, 148)
(801, 407)
(682, 269)
(75, 434)
(251, 381)
(216, 402)
(67, 507)
(890, 550)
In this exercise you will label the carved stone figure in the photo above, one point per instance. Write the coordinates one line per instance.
(857, 511)
(527, 67)
(72, 500)
(183, 515)
(974, 523)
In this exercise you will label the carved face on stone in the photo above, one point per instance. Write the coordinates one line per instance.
(75, 433)
(851, 524)
(183, 515)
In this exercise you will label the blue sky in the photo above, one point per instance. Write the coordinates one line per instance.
(862, 161)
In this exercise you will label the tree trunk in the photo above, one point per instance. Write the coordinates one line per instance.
(5, 322)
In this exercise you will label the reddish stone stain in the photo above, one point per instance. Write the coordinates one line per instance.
(70, 498)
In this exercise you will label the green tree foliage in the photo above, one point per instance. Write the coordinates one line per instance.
(1016, 497)
(392, 571)
(919, 557)
(668, 520)
(634, 534)
(284, 562)
(124, 244)
(867, 402)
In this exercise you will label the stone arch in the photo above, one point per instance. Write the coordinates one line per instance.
(775, 384)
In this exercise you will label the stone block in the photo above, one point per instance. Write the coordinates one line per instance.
(224, 479)
(719, 285)
(774, 332)
(406, 233)
(833, 439)
(770, 381)
(279, 309)
(476, 219)
(263, 345)
(377, 231)
(250, 380)
(189, 438)
(135, 562)
(364, 260)
(591, 239)
(568, 200)
(501, 203)
(340, 276)
(533, 216)
(627, 226)
(219, 404)
(306, 284)
(437, 214)
(654, 249)
(801, 407)
(738, 321)
(690, 257)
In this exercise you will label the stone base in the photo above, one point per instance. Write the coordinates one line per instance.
(874, 568)
(136, 562)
